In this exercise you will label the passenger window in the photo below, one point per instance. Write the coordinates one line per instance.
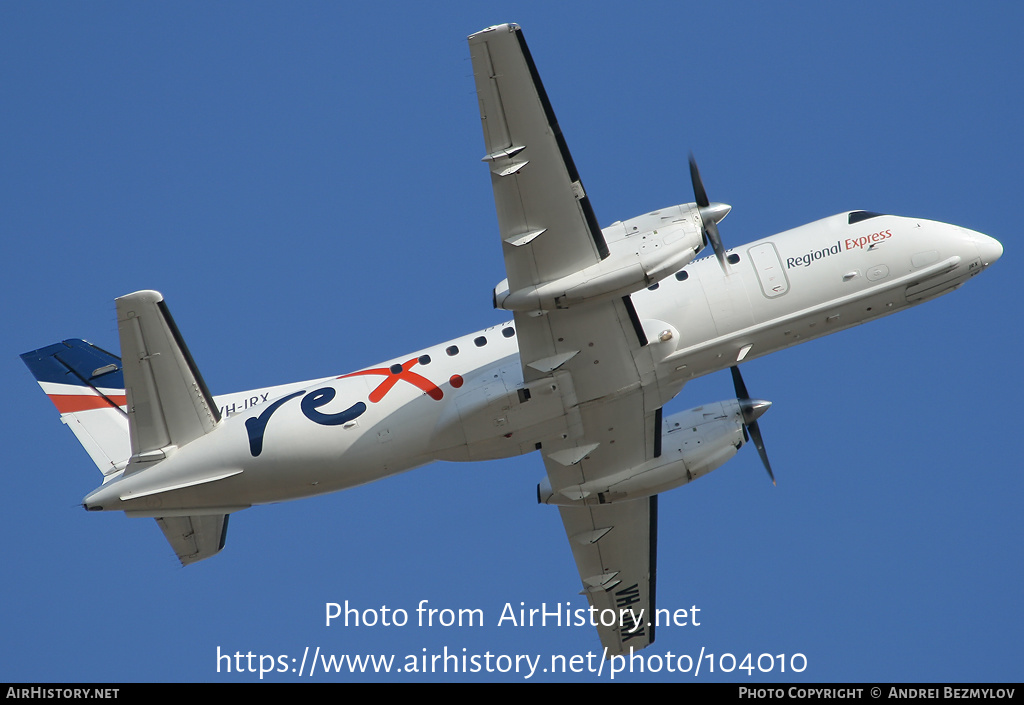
(733, 258)
(508, 332)
(424, 359)
(453, 350)
(653, 286)
(682, 275)
(480, 342)
(395, 369)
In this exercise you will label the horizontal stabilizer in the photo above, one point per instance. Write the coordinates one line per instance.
(169, 404)
(194, 538)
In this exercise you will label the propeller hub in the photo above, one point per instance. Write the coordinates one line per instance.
(715, 212)
(753, 409)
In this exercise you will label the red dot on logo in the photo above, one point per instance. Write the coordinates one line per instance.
(456, 381)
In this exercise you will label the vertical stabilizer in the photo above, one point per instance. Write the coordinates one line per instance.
(86, 385)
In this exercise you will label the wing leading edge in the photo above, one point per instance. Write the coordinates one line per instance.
(596, 350)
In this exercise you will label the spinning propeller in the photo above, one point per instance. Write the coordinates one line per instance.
(710, 214)
(752, 410)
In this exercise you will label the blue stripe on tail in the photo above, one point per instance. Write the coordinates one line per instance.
(76, 362)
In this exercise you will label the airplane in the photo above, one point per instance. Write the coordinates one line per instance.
(608, 325)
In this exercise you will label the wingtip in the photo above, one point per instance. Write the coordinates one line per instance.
(509, 27)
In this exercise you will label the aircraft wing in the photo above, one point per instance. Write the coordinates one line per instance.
(596, 351)
(541, 204)
(615, 547)
(548, 228)
(615, 544)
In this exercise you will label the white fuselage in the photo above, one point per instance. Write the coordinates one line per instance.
(460, 400)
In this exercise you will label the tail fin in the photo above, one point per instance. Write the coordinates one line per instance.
(86, 385)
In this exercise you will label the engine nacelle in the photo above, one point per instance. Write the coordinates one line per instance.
(694, 443)
(642, 252)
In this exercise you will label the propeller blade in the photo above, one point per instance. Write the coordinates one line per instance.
(755, 435)
(716, 242)
(709, 214)
(698, 184)
(752, 410)
(737, 383)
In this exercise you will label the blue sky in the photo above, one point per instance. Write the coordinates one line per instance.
(303, 183)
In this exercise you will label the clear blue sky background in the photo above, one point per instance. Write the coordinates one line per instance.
(303, 183)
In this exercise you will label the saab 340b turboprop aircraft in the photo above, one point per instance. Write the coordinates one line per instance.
(609, 324)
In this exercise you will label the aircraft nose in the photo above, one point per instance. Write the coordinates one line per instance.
(989, 248)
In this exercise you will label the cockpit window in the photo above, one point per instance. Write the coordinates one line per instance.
(857, 216)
